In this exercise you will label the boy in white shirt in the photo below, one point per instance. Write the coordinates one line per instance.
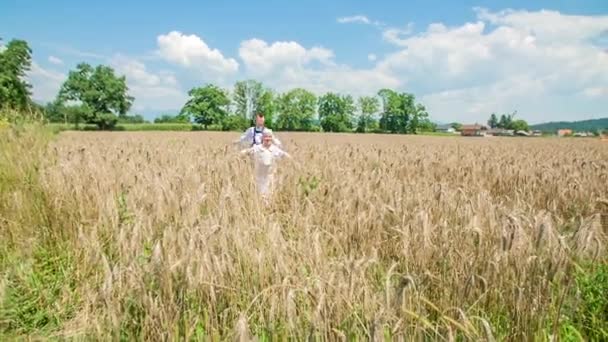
(265, 157)
(253, 135)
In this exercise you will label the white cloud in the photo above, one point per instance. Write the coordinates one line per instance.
(354, 19)
(55, 60)
(152, 90)
(191, 51)
(538, 63)
(372, 57)
(396, 35)
(287, 65)
(261, 58)
(45, 82)
(359, 19)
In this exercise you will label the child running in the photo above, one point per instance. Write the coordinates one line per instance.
(265, 156)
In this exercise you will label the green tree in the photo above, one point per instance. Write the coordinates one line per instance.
(493, 121)
(207, 105)
(336, 112)
(167, 118)
(267, 106)
(519, 125)
(131, 119)
(390, 108)
(400, 113)
(296, 110)
(368, 106)
(103, 93)
(421, 121)
(54, 112)
(506, 121)
(58, 112)
(15, 61)
(246, 98)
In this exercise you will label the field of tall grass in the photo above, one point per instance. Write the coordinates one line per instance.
(160, 236)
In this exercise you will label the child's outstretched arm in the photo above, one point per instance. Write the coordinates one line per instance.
(246, 151)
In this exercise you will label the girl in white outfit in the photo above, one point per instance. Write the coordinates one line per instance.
(265, 156)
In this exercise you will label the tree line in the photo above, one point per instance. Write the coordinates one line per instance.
(97, 95)
(508, 122)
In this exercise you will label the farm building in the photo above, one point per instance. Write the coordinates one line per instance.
(564, 132)
(500, 132)
(474, 130)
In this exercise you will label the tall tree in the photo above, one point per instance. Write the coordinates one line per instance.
(246, 98)
(336, 112)
(419, 119)
(267, 105)
(390, 104)
(493, 121)
(104, 94)
(398, 109)
(15, 61)
(368, 106)
(296, 110)
(207, 105)
(506, 121)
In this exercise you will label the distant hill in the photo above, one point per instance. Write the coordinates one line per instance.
(577, 126)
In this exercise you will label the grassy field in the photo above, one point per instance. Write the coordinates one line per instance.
(160, 235)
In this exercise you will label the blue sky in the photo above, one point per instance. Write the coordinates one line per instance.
(463, 60)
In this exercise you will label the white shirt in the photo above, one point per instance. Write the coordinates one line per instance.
(265, 164)
(254, 136)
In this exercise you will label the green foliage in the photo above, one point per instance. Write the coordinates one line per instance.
(98, 90)
(131, 119)
(235, 123)
(456, 125)
(296, 110)
(507, 121)
(250, 97)
(577, 126)
(106, 121)
(427, 126)
(368, 106)
(15, 61)
(167, 118)
(493, 121)
(591, 313)
(267, 106)
(400, 113)
(38, 295)
(519, 125)
(336, 112)
(246, 98)
(207, 105)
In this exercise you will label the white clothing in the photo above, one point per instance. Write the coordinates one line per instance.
(265, 165)
(253, 136)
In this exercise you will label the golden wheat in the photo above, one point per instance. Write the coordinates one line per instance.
(368, 235)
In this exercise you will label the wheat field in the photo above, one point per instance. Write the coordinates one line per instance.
(161, 236)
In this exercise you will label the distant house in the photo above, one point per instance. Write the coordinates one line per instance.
(522, 133)
(473, 130)
(500, 132)
(564, 132)
(445, 129)
(537, 133)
